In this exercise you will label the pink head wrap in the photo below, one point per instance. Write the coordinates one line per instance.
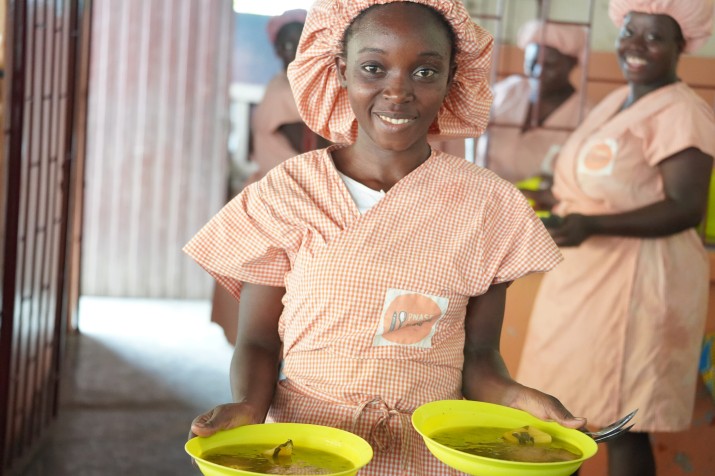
(695, 17)
(324, 104)
(567, 39)
(276, 23)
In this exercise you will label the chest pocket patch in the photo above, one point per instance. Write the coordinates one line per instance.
(409, 318)
(598, 158)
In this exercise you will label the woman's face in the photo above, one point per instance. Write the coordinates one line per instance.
(552, 75)
(396, 68)
(648, 47)
(286, 44)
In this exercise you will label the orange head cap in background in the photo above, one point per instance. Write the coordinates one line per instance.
(323, 102)
(695, 17)
(276, 23)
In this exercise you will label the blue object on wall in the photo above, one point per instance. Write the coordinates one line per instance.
(254, 60)
(707, 362)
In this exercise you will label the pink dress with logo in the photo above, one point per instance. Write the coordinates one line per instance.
(515, 155)
(618, 325)
(373, 320)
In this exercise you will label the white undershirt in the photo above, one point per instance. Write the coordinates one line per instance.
(363, 196)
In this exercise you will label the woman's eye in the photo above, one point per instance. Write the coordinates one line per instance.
(625, 33)
(371, 68)
(425, 73)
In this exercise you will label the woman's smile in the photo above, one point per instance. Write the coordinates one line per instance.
(634, 63)
(395, 120)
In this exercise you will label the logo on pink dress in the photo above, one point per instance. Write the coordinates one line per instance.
(409, 318)
(598, 158)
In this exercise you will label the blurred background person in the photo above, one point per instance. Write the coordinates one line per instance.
(277, 133)
(628, 303)
(518, 149)
(277, 130)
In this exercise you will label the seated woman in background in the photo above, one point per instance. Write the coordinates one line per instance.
(628, 304)
(518, 150)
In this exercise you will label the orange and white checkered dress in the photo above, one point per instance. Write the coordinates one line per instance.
(373, 320)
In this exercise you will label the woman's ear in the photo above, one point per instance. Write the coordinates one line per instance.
(341, 69)
(450, 79)
(681, 46)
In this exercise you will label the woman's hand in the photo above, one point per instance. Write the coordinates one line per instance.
(572, 230)
(254, 366)
(542, 406)
(540, 199)
(686, 181)
(223, 417)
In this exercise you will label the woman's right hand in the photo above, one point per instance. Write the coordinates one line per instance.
(223, 417)
(541, 199)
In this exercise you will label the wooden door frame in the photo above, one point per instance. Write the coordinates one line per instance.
(77, 20)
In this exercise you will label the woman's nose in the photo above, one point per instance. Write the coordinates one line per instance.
(633, 41)
(398, 89)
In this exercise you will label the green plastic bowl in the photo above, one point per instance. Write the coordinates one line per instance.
(331, 440)
(441, 415)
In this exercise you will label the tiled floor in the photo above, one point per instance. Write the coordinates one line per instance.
(135, 378)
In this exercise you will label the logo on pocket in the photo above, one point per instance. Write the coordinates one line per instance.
(409, 318)
(598, 158)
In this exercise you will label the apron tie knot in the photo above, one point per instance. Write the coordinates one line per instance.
(381, 434)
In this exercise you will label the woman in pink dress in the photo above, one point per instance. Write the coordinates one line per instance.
(626, 309)
(278, 132)
(378, 265)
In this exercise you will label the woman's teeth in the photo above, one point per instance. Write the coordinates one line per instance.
(635, 61)
(392, 120)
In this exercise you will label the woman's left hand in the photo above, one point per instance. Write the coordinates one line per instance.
(542, 406)
(573, 230)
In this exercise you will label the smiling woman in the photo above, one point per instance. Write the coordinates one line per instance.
(631, 185)
(377, 268)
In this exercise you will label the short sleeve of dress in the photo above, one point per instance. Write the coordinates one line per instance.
(514, 240)
(681, 125)
(244, 242)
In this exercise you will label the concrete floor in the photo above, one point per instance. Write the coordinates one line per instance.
(135, 377)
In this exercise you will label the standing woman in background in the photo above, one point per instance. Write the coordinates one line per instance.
(278, 132)
(628, 304)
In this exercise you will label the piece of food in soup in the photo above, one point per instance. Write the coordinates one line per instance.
(490, 442)
(260, 459)
(527, 436)
(284, 450)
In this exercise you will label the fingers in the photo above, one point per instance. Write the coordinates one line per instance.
(222, 417)
(548, 408)
(555, 411)
(208, 423)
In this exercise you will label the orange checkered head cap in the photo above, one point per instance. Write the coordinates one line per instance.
(695, 17)
(323, 103)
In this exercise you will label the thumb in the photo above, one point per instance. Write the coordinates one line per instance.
(564, 418)
(209, 423)
(576, 423)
